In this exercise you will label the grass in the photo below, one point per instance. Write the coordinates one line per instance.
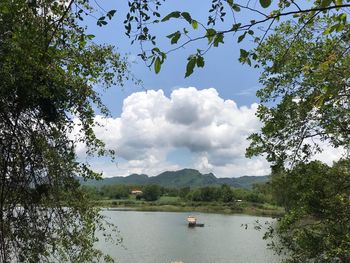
(175, 204)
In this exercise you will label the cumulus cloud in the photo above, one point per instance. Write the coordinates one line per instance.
(213, 131)
(152, 125)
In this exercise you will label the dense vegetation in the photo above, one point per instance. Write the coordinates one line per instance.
(49, 67)
(261, 193)
(305, 108)
(317, 201)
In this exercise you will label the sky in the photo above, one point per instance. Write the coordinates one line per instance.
(171, 122)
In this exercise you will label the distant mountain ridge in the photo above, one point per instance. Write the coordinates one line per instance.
(182, 178)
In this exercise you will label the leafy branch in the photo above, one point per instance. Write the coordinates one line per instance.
(215, 37)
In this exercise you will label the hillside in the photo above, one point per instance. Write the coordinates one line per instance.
(181, 178)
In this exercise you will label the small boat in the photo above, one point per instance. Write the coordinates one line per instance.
(192, 222)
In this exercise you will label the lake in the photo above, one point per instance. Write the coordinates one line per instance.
(162, 237)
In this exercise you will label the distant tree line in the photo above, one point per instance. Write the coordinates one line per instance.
(261, 193)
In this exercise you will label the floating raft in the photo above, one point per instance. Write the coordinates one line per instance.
(192, 222)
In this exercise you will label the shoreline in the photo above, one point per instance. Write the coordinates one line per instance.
(244, 208)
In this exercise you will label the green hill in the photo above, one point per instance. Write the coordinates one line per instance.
(181, 178)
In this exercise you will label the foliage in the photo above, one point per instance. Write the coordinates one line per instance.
(90, 192)
(183, 192)
(151, 192)
(265, 192)
(262, 193)
(305, 94)
(226, 194)
(305, 106)
(316, 227)
(225, 18)
(223, 194)
(205, 194)
(48, 68)
(116, 191)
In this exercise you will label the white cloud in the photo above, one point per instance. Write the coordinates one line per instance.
(151, 125)
(329, 154)
(211, 129)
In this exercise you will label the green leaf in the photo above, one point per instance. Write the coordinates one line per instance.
(211, 33)
(101, 23)
(90, 37)
(172, 35)
(249, 61)
(111, 13)
(218, 39)
(190, 66)
(326, 3)
(194, 24)
(241, 37)
(338, 2)
(236, 8)
(176, 37)
(265, 3)
(175, 14)
(200, 62)
(342, 18)
(157, 49)
(187, 17)
(340, 27)
(243, 55)
(235, 27)
(157, 65)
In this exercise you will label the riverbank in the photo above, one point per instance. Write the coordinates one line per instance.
(169, 205)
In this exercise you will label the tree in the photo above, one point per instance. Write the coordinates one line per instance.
(304, 106)
(116, 191)
(205, 194)
(266, 191)
(49, 68)
(91, 191)
(226, 193)
(316, 227)
(304, 102)
(183, 192)
(151, 192)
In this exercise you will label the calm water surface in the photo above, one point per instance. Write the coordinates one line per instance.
(161, 237)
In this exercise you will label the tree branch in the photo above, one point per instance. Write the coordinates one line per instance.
(60, 22)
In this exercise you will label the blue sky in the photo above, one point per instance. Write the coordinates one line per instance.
(172, 122)
(222, 71)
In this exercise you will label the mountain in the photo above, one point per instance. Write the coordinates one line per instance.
(244, 181)
(181, 178)
(132, 179)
